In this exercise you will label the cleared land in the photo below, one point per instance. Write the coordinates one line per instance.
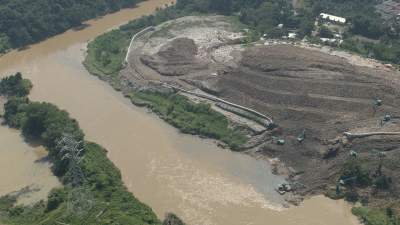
(308, 93)
(303, 90)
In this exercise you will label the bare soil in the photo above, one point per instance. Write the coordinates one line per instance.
(321, 94)
(302, 89)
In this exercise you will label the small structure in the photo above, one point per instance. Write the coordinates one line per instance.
(331, 41)
(292, 35)
(332, 18)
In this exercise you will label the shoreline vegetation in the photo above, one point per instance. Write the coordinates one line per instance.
(106, 54)
(92, 190)
(105, 59)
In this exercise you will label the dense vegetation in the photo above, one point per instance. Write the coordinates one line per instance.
(15, 86)
(379, 38)
(110, 202)
(190, 117)
(376, 216)
(24, 22)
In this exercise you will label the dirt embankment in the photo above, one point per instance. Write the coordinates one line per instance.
(322, 95)
(305, 91)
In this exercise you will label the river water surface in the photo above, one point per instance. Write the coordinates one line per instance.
(168, 171)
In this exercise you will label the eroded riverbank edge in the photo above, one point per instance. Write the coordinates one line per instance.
(32, 181)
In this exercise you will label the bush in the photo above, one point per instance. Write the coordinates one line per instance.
(374, 216)
(383, 182)
(356, 171)
(172, 219)
(325, 32)
(55, 198)
(15, 86)
(351, 196)
(192, 118)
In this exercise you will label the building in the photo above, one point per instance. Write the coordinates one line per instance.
(292, 35)
(332, 18)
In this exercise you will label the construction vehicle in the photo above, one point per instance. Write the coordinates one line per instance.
(377, 104)
(354, 154)
(342, 182)
(283, 188)
(280, 142)
(302, 136)
(387, 118)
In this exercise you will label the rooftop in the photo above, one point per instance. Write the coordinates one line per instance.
(332, 18)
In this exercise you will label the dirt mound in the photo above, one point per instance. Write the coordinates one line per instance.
(176, 58)
(179, 50)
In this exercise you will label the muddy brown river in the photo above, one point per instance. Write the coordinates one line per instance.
(203, 184)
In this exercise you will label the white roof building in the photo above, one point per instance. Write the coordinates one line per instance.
(333, 18)
(292, 35)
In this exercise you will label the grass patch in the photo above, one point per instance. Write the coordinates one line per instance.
(106, 54)
(190, 117)
(376, 216)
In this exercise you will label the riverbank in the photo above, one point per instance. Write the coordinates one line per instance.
(28, 29)
(318, 182)
(92, 185)
(177, 110)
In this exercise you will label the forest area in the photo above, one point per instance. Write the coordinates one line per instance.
(23, 22)
(92, 185)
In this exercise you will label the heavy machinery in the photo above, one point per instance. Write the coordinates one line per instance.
(342, 182)
(302, 136)
(377, 104)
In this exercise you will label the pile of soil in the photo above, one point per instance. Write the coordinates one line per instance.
(175, 58)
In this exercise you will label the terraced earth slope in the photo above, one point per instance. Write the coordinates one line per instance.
(306, 92)
(318, 93)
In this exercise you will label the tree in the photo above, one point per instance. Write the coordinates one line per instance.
(324, 32)
(172, 219)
